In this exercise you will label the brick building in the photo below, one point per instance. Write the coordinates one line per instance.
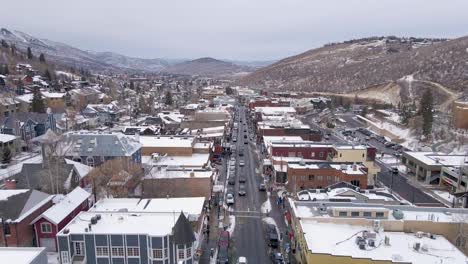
(18, 208)
(460, 114)
(306, 175)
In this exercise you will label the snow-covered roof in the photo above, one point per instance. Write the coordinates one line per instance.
(275, 110)
(70, 202)
(5, 194)
(437, 158)
(81, 169)
(4, 138)
(25, 97)
(188, 205)
(166, 141)
(195, 160)
(345, 193)
(53, 95)
(170, 173)
(20, 255)
(334, 239)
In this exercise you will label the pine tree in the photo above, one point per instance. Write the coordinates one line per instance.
(42, 58)
(4, 44)
(364, 111)
(426, 109)
(168, 99)
(37, 102)
(30, 55)
(6, 155)
(47, 75)
(405, 115)
(132, 85)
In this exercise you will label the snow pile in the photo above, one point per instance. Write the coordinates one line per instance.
(232, 224)
(266, 206)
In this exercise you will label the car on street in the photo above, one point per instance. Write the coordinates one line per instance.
(234, 139)
(272, 235)
(242, 179)
(241, 163)
(242, 190)
(394, 170)
(230, 199)
(232, 180)
(223, 256)
(242, 260)
(246, 142)
(262, 187)
(245, 135)
(223, 239)
(277, 258)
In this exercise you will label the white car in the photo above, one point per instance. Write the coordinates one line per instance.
(241, 163)
(230, 199)
(242, 260)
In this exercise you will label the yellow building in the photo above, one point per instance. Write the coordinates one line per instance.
(356, 154)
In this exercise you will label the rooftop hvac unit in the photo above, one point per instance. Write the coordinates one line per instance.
(66, 231)
(317, 191)
(376, 226)
(424, 248)
(419, 234)
(98, 217)
(387, 241)
(93, 220)
(398, 214)
(416, 246)
(371, 243)
(86, 230)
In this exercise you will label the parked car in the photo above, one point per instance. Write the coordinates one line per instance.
(223, 239)
(277, 258)
(230, 199)
(272, 236)
(242, 191)
(242, 179)
(223, 256)
(232, 181)
(262, 187)
(241, 163)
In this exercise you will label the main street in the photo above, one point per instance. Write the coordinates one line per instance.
(249, 234)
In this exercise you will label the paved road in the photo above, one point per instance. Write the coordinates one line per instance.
(249, 235)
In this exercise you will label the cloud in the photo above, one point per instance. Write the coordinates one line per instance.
(234, 29)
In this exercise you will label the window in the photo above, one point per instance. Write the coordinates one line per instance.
(118, 252)
(311, 177)
(328, 178)
(133, 251)
(321, 154)
(313, 154)
(341, 155)
(379, 214)
(6, 229)
(303, 178)
(363, 155)
(166, 252)
(65, 257)
(355, 214)
(460, 242)
(337, 179)
(46, 228)
(343, 213)
(102, 251)
(188, 252)
(158, 254)
(320, 178)
(79, 248)
(90, 161)
(367, 214)
(181, 253)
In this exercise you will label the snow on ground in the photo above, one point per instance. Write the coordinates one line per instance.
(389, 160)
(16, 168)
(444, 195)
(232, 224)
(52, 258)
(266, 206)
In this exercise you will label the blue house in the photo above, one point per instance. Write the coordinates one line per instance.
(127, 238)
(27, 125)
(94, 148)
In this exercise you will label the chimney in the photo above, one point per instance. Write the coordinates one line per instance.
(10, 184)
(354, 167)
(192, 174)
(137, 136)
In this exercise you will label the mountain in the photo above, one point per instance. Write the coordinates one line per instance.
(208, 67)
(406, 65)
(64, 54)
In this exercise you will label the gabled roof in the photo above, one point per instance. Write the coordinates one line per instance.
(18, 204)
(68, 204)
(182, 231)
(34, 176)
(23, 117)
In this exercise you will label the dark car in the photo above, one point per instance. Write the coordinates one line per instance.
(232, 180)
(242, 179)
(242, 190)
(245, 136)
(277, 258)
(272, 236)
(223, 256)
(223, 240)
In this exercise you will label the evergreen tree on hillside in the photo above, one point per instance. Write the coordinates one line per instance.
(168, 99)
(426, 109)
(364, 111)
(37, 103)
(132, 85)
(30, 55)
(47, 75)
(4, 44)
(13, 49)
(4, 69)
(42, 58)
(405, 115)
(6, 155)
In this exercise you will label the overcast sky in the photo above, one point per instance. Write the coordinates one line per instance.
(229, 29)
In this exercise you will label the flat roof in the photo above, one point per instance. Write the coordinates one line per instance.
(275, 110)
(339, 240)
(191, 206)
(166, 141)
(20, 255)
(437, 158)
(195, 160)
(345, 193)
(173, 173)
